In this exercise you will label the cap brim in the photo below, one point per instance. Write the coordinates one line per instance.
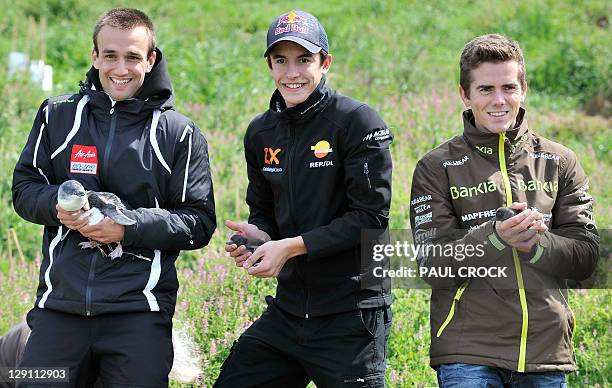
(313, 48)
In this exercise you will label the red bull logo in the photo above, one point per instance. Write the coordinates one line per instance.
(291, 22)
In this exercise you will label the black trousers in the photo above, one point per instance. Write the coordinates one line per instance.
(281, 350)
(125, 349)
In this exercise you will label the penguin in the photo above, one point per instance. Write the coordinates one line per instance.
(72, 196)
(503, 213)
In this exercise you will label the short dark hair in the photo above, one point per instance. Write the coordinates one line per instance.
(322, 54)
(489, 48)
(125, 19)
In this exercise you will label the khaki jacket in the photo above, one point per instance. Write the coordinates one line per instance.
(520, 321)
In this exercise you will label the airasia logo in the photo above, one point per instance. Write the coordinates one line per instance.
(84, 155)
(84, 160)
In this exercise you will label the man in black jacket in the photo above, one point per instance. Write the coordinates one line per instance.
(319, 171)
(119, 134)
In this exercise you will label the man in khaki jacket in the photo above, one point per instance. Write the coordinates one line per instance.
(503, 318)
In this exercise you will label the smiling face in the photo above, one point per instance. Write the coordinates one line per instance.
(495, 95)
(296, 71)
(122, 60)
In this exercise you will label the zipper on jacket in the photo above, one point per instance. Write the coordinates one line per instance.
(109, 141)
(451, 312)
(92, 273)
(290, 154)
(366, 172)
(515, 256)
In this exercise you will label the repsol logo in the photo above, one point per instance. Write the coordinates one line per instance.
(536, 185)
(468, 192)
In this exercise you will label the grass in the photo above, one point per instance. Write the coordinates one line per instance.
(398, 56)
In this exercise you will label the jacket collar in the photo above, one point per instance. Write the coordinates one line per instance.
(517, 136)
(313, 104)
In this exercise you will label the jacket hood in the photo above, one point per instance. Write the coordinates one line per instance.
(314, 103)
(155, 93)
(479, 138)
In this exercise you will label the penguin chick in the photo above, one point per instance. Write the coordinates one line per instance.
(72, 196)
(503, 213)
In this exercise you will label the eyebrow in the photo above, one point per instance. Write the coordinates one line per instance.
(484, 86)
(129, 53)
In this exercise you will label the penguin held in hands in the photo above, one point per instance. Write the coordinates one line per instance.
(72, 196)
(503, 213)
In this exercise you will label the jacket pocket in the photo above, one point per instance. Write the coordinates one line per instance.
(571, 319)
(451, 312)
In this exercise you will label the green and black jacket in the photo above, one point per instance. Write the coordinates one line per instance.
(521, 322)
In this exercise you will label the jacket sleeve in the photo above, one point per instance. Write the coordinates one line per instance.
(367, 166)
(570, 249)
(259, 194)
(34, 191)
(437, 232)
(188, 219)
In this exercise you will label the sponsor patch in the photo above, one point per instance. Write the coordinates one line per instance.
(421, 208)
(422, 235)
(476, 215)
(378, 135)
(291, 22)
(324, 163)
(274, 170)
(321, 149)
(424, 219)
(459, 162)
(420, 199)
(485, 150)
(270, 156)
(538, 185)
(472, 191)
(543, 155)
(84, 160)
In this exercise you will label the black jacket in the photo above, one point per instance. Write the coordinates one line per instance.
(322, 170)
(153, 158)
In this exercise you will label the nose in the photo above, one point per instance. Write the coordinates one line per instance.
(121, 68)
(499, 98)
(293, 71)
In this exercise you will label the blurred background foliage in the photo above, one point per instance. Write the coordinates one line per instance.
(401, 57)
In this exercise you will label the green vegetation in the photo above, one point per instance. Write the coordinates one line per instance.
(401, 57)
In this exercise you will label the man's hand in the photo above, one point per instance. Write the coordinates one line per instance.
(72, 220)
(105, 231)
(240, 253)
(272, 256)
(523, 230)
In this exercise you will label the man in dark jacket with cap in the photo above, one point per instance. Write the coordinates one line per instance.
(319, 171)
(119, 134)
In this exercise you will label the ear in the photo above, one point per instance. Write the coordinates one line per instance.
(95, 60)
(524, 93)
(464, 97)
(327, 63)
(151, 61)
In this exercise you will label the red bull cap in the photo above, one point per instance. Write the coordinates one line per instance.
(299, 27)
